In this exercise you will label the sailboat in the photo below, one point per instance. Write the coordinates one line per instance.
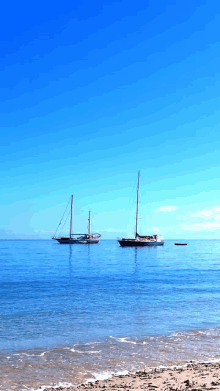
(148, 240)
(88, 238)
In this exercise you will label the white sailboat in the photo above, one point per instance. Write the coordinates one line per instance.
(88, 238)
(138, 240)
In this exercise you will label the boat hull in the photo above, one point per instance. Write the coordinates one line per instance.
(89, 241)
(139, 243)
(66, 241)
(76, 241)
(180, 244)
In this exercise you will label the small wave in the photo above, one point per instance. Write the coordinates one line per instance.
(76, 351)
(94, 351)
(34, 355)
(123, 339)
(29, 355)
(105, 375)
(85, 352)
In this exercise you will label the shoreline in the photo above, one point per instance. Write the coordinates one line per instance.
(194, 376)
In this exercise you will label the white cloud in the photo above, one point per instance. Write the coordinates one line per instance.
(170, 208)
(202, 213)
(207, 213)
(200, 226)
(216, 208)
(209, 225)
(211, 215)
(156, 229)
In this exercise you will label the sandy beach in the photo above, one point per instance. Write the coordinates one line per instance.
(195, 377)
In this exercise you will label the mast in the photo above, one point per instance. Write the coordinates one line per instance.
(89, 220)
(136, 233)
(71, 216)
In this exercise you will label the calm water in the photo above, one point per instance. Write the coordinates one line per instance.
(73, 313)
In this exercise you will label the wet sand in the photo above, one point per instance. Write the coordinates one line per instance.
(195, 377)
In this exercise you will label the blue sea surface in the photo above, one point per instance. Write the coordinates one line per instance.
(56, 300)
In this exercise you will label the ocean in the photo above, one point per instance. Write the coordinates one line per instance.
(75, 313)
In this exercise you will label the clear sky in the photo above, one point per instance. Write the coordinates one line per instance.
(92, 92)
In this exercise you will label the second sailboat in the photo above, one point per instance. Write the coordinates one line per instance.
(147, 240)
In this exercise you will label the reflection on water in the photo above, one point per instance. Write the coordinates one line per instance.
(135, 257)
(70, 252)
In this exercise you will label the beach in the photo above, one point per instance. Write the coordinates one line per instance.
(191, 376)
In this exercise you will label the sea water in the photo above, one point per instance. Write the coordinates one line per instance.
(75, 313)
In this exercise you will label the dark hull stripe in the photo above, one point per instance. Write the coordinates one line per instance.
(125, 243)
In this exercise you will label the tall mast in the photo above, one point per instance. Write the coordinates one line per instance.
(136, 233)
(71, 216)
(89, 220)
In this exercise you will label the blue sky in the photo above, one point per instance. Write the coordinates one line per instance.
(93, 92)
